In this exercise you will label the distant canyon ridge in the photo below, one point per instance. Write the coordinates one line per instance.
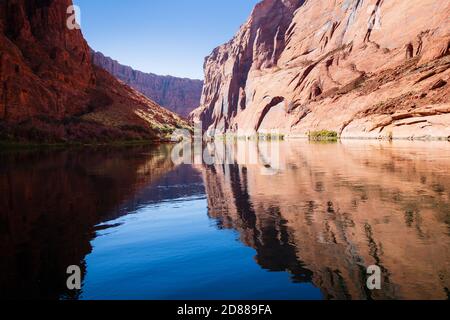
(180, 95)
(361, 68)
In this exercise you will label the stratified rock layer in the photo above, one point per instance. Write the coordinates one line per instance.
(362, 68)
(180, 95)
(50, 91)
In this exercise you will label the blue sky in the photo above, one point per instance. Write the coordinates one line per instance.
(167, 37)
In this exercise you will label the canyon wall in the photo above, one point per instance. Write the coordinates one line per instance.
(51, 91)
(180, 95)
(362, 68)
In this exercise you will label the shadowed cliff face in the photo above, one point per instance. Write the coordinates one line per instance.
(179, 95)
(52, 202)
(334, 210)
(361, 68)
(49, 89)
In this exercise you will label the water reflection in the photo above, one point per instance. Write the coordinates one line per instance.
(336, 209)
(51, 201)
(142, 227)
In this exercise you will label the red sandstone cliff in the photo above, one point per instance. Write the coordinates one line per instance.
(180, 95)
(370, 68)
(50, 90)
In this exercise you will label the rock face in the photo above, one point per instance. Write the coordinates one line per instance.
(362, 68)
(180, 95)
(50, 90)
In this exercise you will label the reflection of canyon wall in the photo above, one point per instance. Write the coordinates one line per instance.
(361, 68)
(51, 203)
(336, 209)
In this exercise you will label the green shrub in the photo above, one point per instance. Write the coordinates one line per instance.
(323, 135)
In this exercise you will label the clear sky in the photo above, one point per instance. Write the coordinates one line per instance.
(167, 37)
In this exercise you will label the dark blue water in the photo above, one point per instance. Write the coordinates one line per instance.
(173, 250)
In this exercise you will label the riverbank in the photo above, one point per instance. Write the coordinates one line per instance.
(16, 145)
(323, 136)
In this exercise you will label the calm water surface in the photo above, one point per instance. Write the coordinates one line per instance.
(142, 227)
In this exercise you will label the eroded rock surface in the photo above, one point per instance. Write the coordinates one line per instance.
(50, 90)
(362, 68)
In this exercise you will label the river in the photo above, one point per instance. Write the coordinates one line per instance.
(143, 227)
